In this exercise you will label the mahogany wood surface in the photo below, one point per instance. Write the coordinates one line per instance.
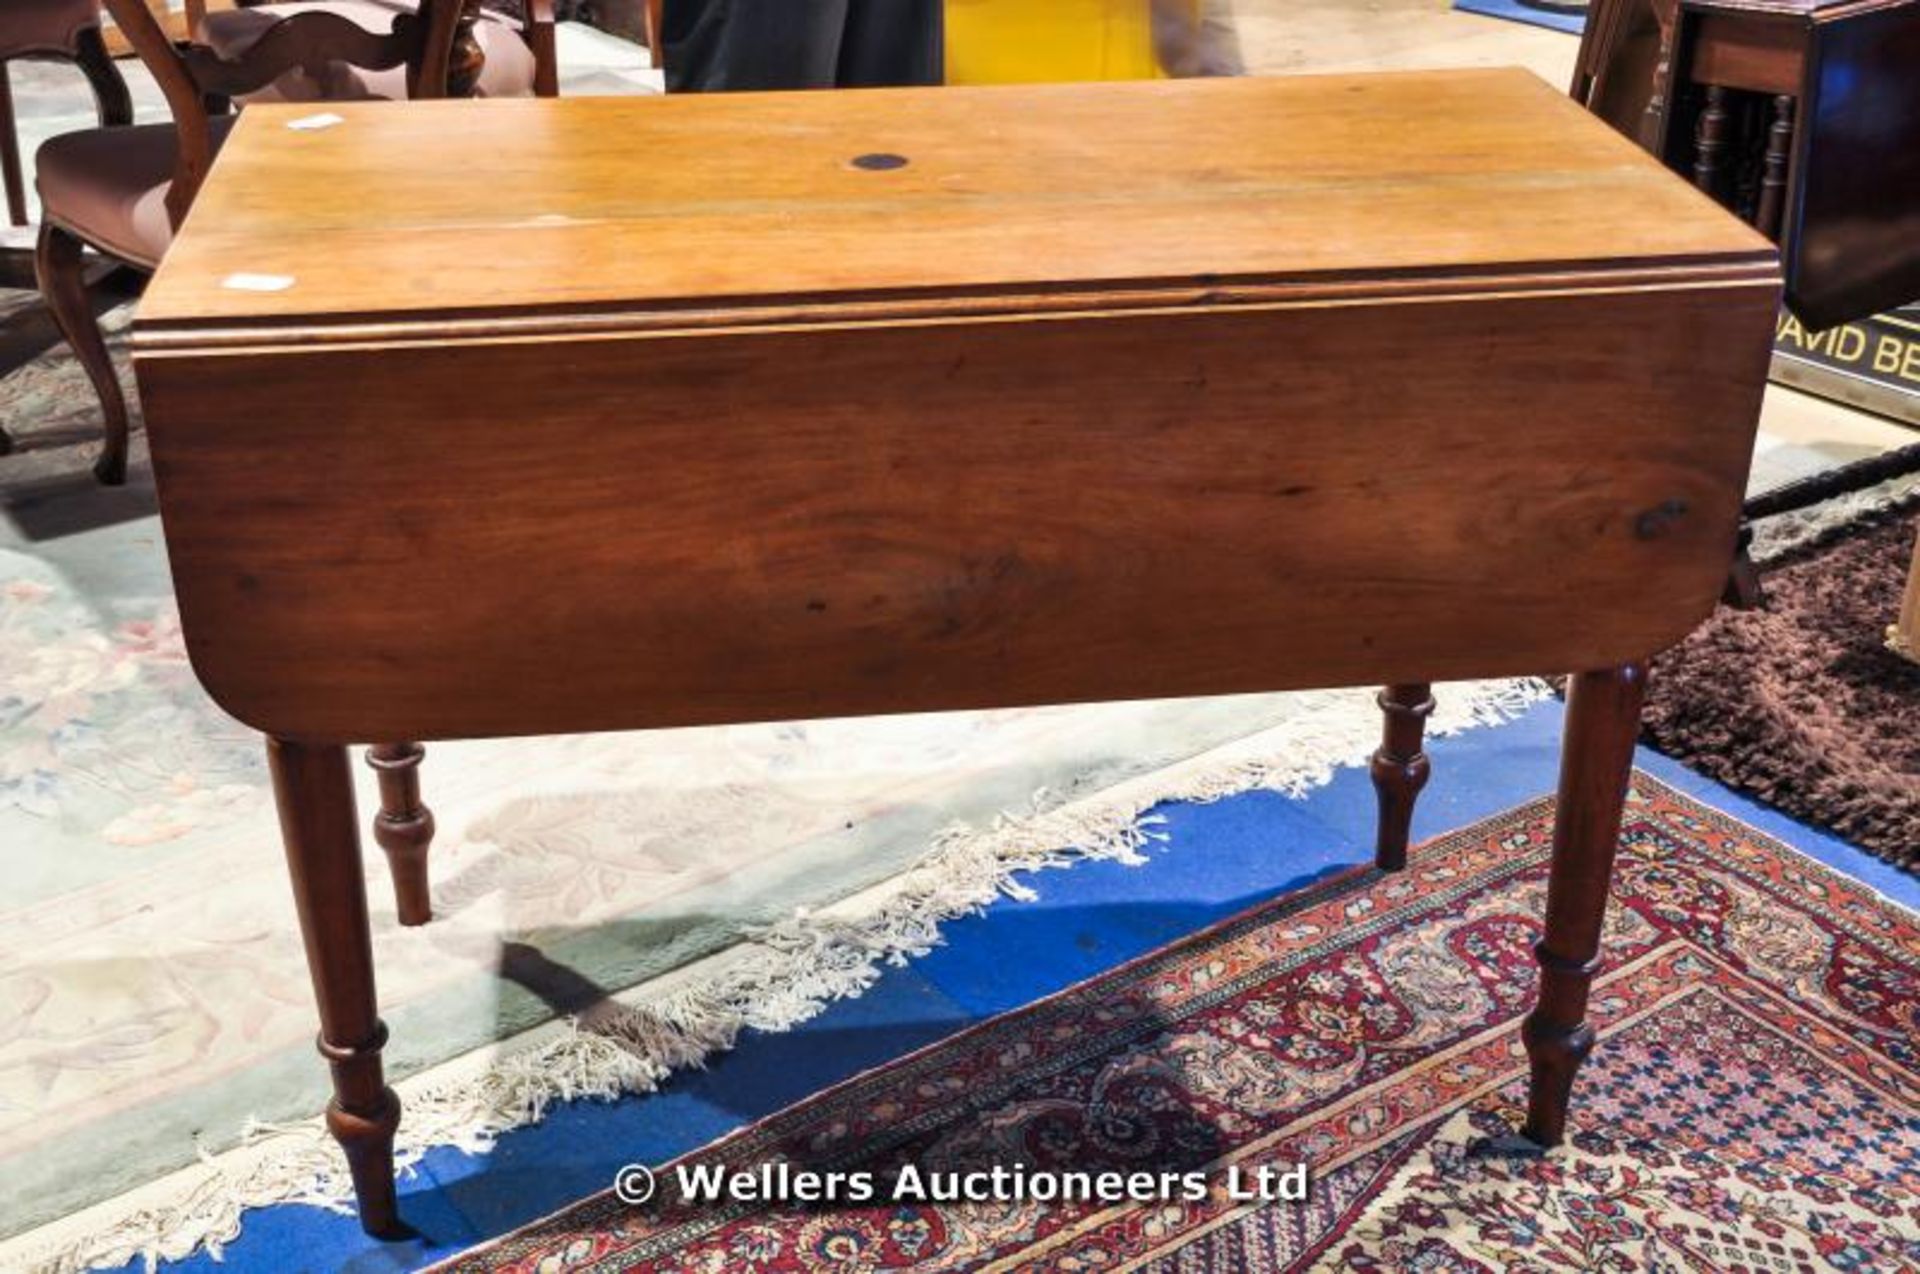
(1107, 391)
(10, 174)
(1733, 50)
(535, 537)
(887, 497)
(1859, 205)
(751, 204)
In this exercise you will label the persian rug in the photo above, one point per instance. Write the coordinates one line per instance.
(1753, 1103)
(1802, 703)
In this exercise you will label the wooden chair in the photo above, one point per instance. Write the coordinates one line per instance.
(1620, 71)
(64, 30)
(123, 190)
(515, 57)
(67, 30)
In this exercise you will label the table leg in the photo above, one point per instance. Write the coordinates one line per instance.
(1596, 759)
(404, 827)
(1400, 768)
(314, 790)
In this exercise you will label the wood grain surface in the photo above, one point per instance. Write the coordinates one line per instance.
(1438, 428)
(734, 201)
(534, 537)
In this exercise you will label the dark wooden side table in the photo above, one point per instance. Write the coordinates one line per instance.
(1802, 115)
(778, 406)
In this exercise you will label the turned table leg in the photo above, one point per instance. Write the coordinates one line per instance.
(1400, 768)
(404, 827)
(1596, 760)
(314, 790)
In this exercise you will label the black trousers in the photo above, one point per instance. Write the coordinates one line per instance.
(719, 45)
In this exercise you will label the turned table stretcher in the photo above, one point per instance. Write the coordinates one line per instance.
(503, 418)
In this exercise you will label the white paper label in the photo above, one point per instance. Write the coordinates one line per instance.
(257, 282)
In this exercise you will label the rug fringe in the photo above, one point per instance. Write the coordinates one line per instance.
(779, 977)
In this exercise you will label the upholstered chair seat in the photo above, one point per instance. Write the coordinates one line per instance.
(109, 185)
(509, 69)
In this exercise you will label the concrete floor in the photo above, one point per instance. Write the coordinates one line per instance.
(1288, 37)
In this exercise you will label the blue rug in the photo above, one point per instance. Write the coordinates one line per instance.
(1515, 11)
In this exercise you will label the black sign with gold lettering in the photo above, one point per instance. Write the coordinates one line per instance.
(1874, 363)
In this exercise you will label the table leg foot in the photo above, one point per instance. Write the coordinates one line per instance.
(1400, 768)
(1596, 761)
(404, 827)
(313, 787)
(367, 1139)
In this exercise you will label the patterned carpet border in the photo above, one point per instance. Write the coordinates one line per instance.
(1753, 1103)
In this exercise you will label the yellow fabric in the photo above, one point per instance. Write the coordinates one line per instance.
(1033, 41)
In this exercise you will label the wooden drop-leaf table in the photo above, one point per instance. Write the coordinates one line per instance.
(526, 417)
